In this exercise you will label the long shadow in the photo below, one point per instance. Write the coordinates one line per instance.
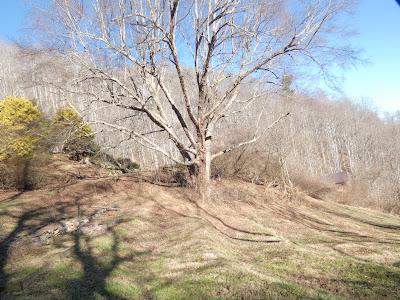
(11, 198)
(7, 242)
(222, 222)
(390, 227)
(395, 228)
(228, 225)
(24, 227)
(322, 226)
(92, 283)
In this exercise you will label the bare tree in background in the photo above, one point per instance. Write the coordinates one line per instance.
(217, 50)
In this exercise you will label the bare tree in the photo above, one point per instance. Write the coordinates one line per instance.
(217, 50)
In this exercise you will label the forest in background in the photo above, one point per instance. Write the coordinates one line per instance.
(321, 136)
(185, 149)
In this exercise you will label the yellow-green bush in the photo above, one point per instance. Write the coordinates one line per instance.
(21, 126)
(73, 133)
(22, 130)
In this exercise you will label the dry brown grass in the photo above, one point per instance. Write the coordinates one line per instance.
(249, 241)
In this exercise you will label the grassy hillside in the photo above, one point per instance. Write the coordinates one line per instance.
(104, 238)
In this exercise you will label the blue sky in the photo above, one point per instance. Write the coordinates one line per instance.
(376, 21)
(378, 25)
(12, 13)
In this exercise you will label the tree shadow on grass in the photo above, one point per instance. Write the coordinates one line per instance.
(11, 198)
(389, 227)
(297, 216)
(211, 219)
(93, 283)
(27, 224)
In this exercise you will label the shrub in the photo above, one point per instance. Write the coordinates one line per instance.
(126, 165)
(174, 175)
(107, 161)
(23, 130)
(314, 187)
(73, 134)
(249, 164)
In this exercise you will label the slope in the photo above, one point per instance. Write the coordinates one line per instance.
(119, 238)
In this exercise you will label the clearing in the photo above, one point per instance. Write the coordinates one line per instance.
(105, 238)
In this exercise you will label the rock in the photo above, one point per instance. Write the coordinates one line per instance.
(71, 225)
(45, 235)
(45, 238)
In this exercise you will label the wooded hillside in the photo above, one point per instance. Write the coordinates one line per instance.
(321, 135)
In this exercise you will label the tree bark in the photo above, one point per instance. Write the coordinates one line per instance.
(200, 171)
(203, 176)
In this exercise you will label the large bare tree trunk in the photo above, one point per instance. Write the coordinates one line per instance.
(204, 176)
(215, 51)
(207, 182)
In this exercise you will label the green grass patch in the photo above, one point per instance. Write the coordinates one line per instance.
(122, 289)
(187, 289)
(102, 244)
